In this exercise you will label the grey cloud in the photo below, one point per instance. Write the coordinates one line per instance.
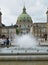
(11, 9)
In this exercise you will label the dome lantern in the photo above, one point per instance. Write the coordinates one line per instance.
(24, 9)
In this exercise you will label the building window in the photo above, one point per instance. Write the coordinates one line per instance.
(43, 30)
(20, 25)
(31, 25)
(28, 25)
(20, 20)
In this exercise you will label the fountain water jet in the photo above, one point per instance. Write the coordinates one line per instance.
(26, 40)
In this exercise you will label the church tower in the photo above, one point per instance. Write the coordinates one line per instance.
(47, 15)
(0, 17)
(0, 23)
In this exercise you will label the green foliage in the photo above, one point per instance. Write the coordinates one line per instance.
(17, 31)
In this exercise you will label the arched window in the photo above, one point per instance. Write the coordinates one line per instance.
(31, 24)
(28, 25)
(20, 25)
(20, 20)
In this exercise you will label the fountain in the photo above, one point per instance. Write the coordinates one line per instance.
(24, 47)
(26, 40)
(28, 43)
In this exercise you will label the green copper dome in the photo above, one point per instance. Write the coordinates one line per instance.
(24, 16)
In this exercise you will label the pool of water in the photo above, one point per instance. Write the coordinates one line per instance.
(24, 50)
(25, 44)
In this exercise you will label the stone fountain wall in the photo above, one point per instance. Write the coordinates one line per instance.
(23, 62)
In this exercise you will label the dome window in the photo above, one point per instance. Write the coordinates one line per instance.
(27, 17)
(28, 20)
(20, 20)
(24, 17)
(17, 20)
(24, 20)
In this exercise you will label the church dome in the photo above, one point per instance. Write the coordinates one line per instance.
(24, 16)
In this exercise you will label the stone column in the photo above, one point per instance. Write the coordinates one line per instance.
(47, 31)
(0, 23)
(47, 23)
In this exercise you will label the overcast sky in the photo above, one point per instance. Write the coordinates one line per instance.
(11, 9)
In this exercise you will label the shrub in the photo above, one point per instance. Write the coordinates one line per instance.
(17, 31)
